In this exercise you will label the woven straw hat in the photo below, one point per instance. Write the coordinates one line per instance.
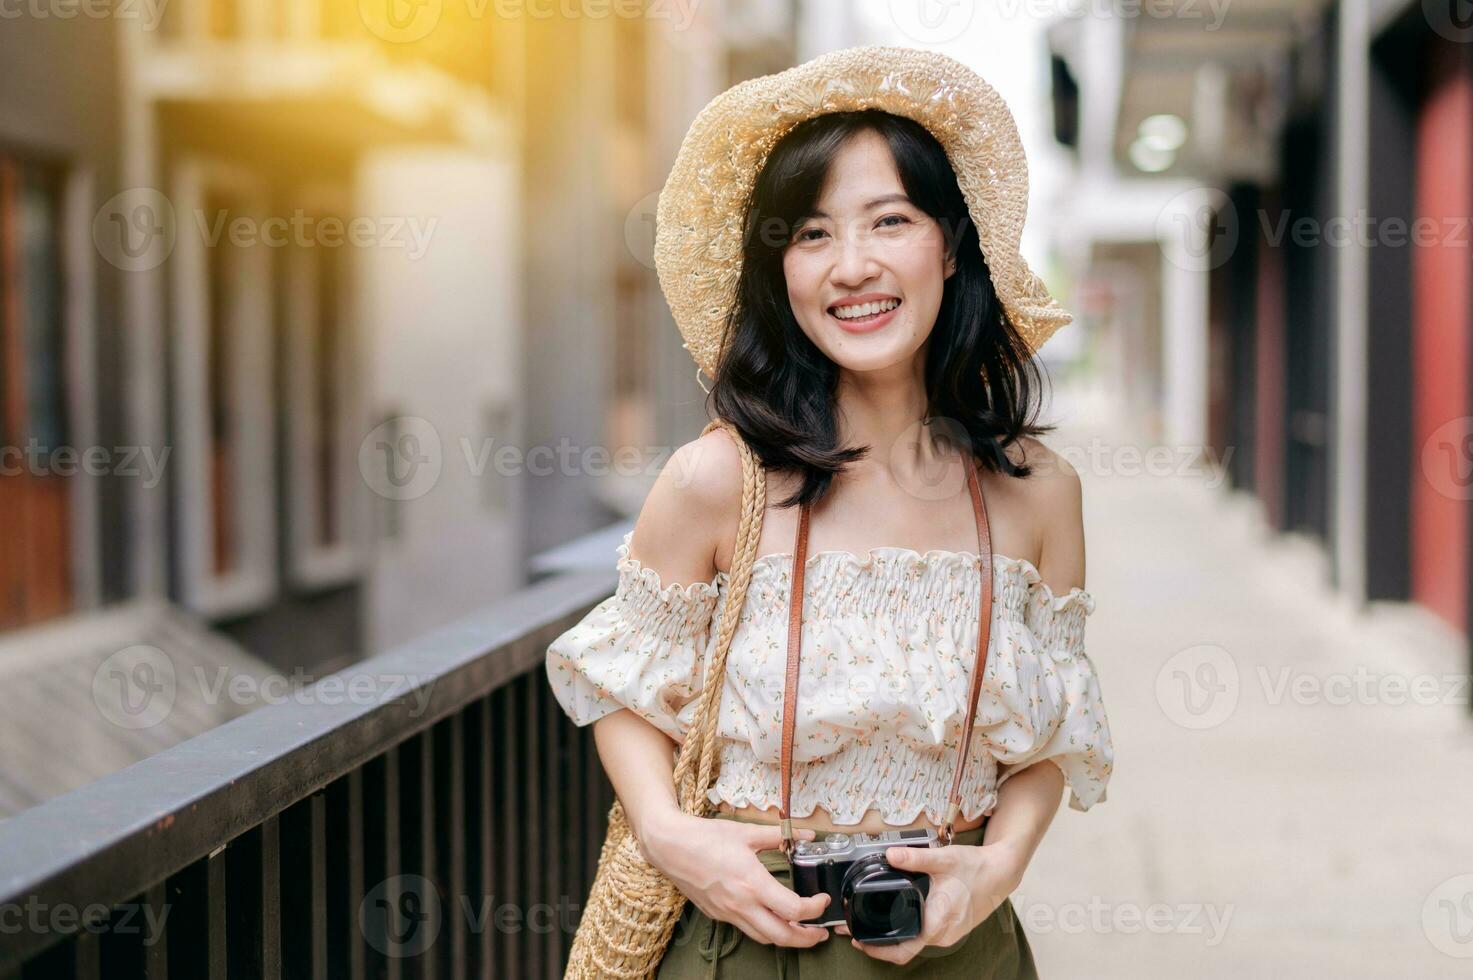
(698, 225)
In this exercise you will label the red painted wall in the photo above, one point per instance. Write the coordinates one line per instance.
(1440, 333)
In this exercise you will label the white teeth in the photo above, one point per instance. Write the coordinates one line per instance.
(865, 309)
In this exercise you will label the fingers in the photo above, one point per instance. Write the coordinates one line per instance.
(770, 836)
(762, 926)
(925, 859)
(772, 913)
(788, 904)
(895, 953)
(784, 933)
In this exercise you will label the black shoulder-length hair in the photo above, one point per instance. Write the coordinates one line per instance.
(779, 389)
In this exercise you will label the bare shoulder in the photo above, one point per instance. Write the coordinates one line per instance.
(1056, 500)
(1055, 480)
(683, 523)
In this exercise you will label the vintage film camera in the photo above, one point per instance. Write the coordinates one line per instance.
(879, 903)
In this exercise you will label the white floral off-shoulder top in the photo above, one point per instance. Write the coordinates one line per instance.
(887, 651)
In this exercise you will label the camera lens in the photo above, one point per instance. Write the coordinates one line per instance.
(881, 904)
(883, 912)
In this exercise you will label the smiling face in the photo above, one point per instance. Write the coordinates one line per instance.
(865, 272)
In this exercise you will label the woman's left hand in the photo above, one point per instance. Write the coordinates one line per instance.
(968, 882)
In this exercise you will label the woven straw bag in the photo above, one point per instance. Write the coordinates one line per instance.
(632, 907)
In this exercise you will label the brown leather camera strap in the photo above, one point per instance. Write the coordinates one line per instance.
(795, 636)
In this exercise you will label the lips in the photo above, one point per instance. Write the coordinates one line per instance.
(861, 314)
(863, 308)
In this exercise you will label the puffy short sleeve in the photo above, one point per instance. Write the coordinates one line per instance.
(642, 648)
(1049, 700)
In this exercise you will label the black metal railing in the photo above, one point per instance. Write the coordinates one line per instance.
(443, 822)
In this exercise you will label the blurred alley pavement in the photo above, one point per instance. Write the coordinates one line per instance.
(1290, 794)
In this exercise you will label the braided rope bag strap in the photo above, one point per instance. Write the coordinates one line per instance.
(633, 907)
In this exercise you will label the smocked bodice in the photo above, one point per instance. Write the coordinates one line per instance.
(888, 644)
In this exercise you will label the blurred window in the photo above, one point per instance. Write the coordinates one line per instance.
(224, 404)
(320, 393)
(35, 569)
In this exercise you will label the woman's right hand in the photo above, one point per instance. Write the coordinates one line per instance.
(714, 863)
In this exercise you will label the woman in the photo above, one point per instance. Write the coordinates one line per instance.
(877, 341)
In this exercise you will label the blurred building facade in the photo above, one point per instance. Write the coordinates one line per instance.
(1269, 229)
(231, 422)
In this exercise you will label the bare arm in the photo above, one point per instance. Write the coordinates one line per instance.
(639, 760)
(1030, 798)
(1027, 802)
(713, 862)
(676, 536)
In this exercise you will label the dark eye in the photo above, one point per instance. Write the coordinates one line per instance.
(899, 219)
(802, 236)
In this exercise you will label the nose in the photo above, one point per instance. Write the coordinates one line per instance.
(854, 263)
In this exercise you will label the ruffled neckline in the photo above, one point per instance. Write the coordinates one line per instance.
(908, 558)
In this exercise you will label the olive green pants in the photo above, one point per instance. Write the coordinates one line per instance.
(704, 949)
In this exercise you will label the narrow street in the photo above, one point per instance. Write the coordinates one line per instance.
(1293, 778)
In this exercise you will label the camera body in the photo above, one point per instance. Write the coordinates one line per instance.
(879, 903)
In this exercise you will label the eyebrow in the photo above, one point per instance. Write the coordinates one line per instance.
(874, 203)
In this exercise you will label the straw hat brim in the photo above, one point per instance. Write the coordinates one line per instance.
(698, 237)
